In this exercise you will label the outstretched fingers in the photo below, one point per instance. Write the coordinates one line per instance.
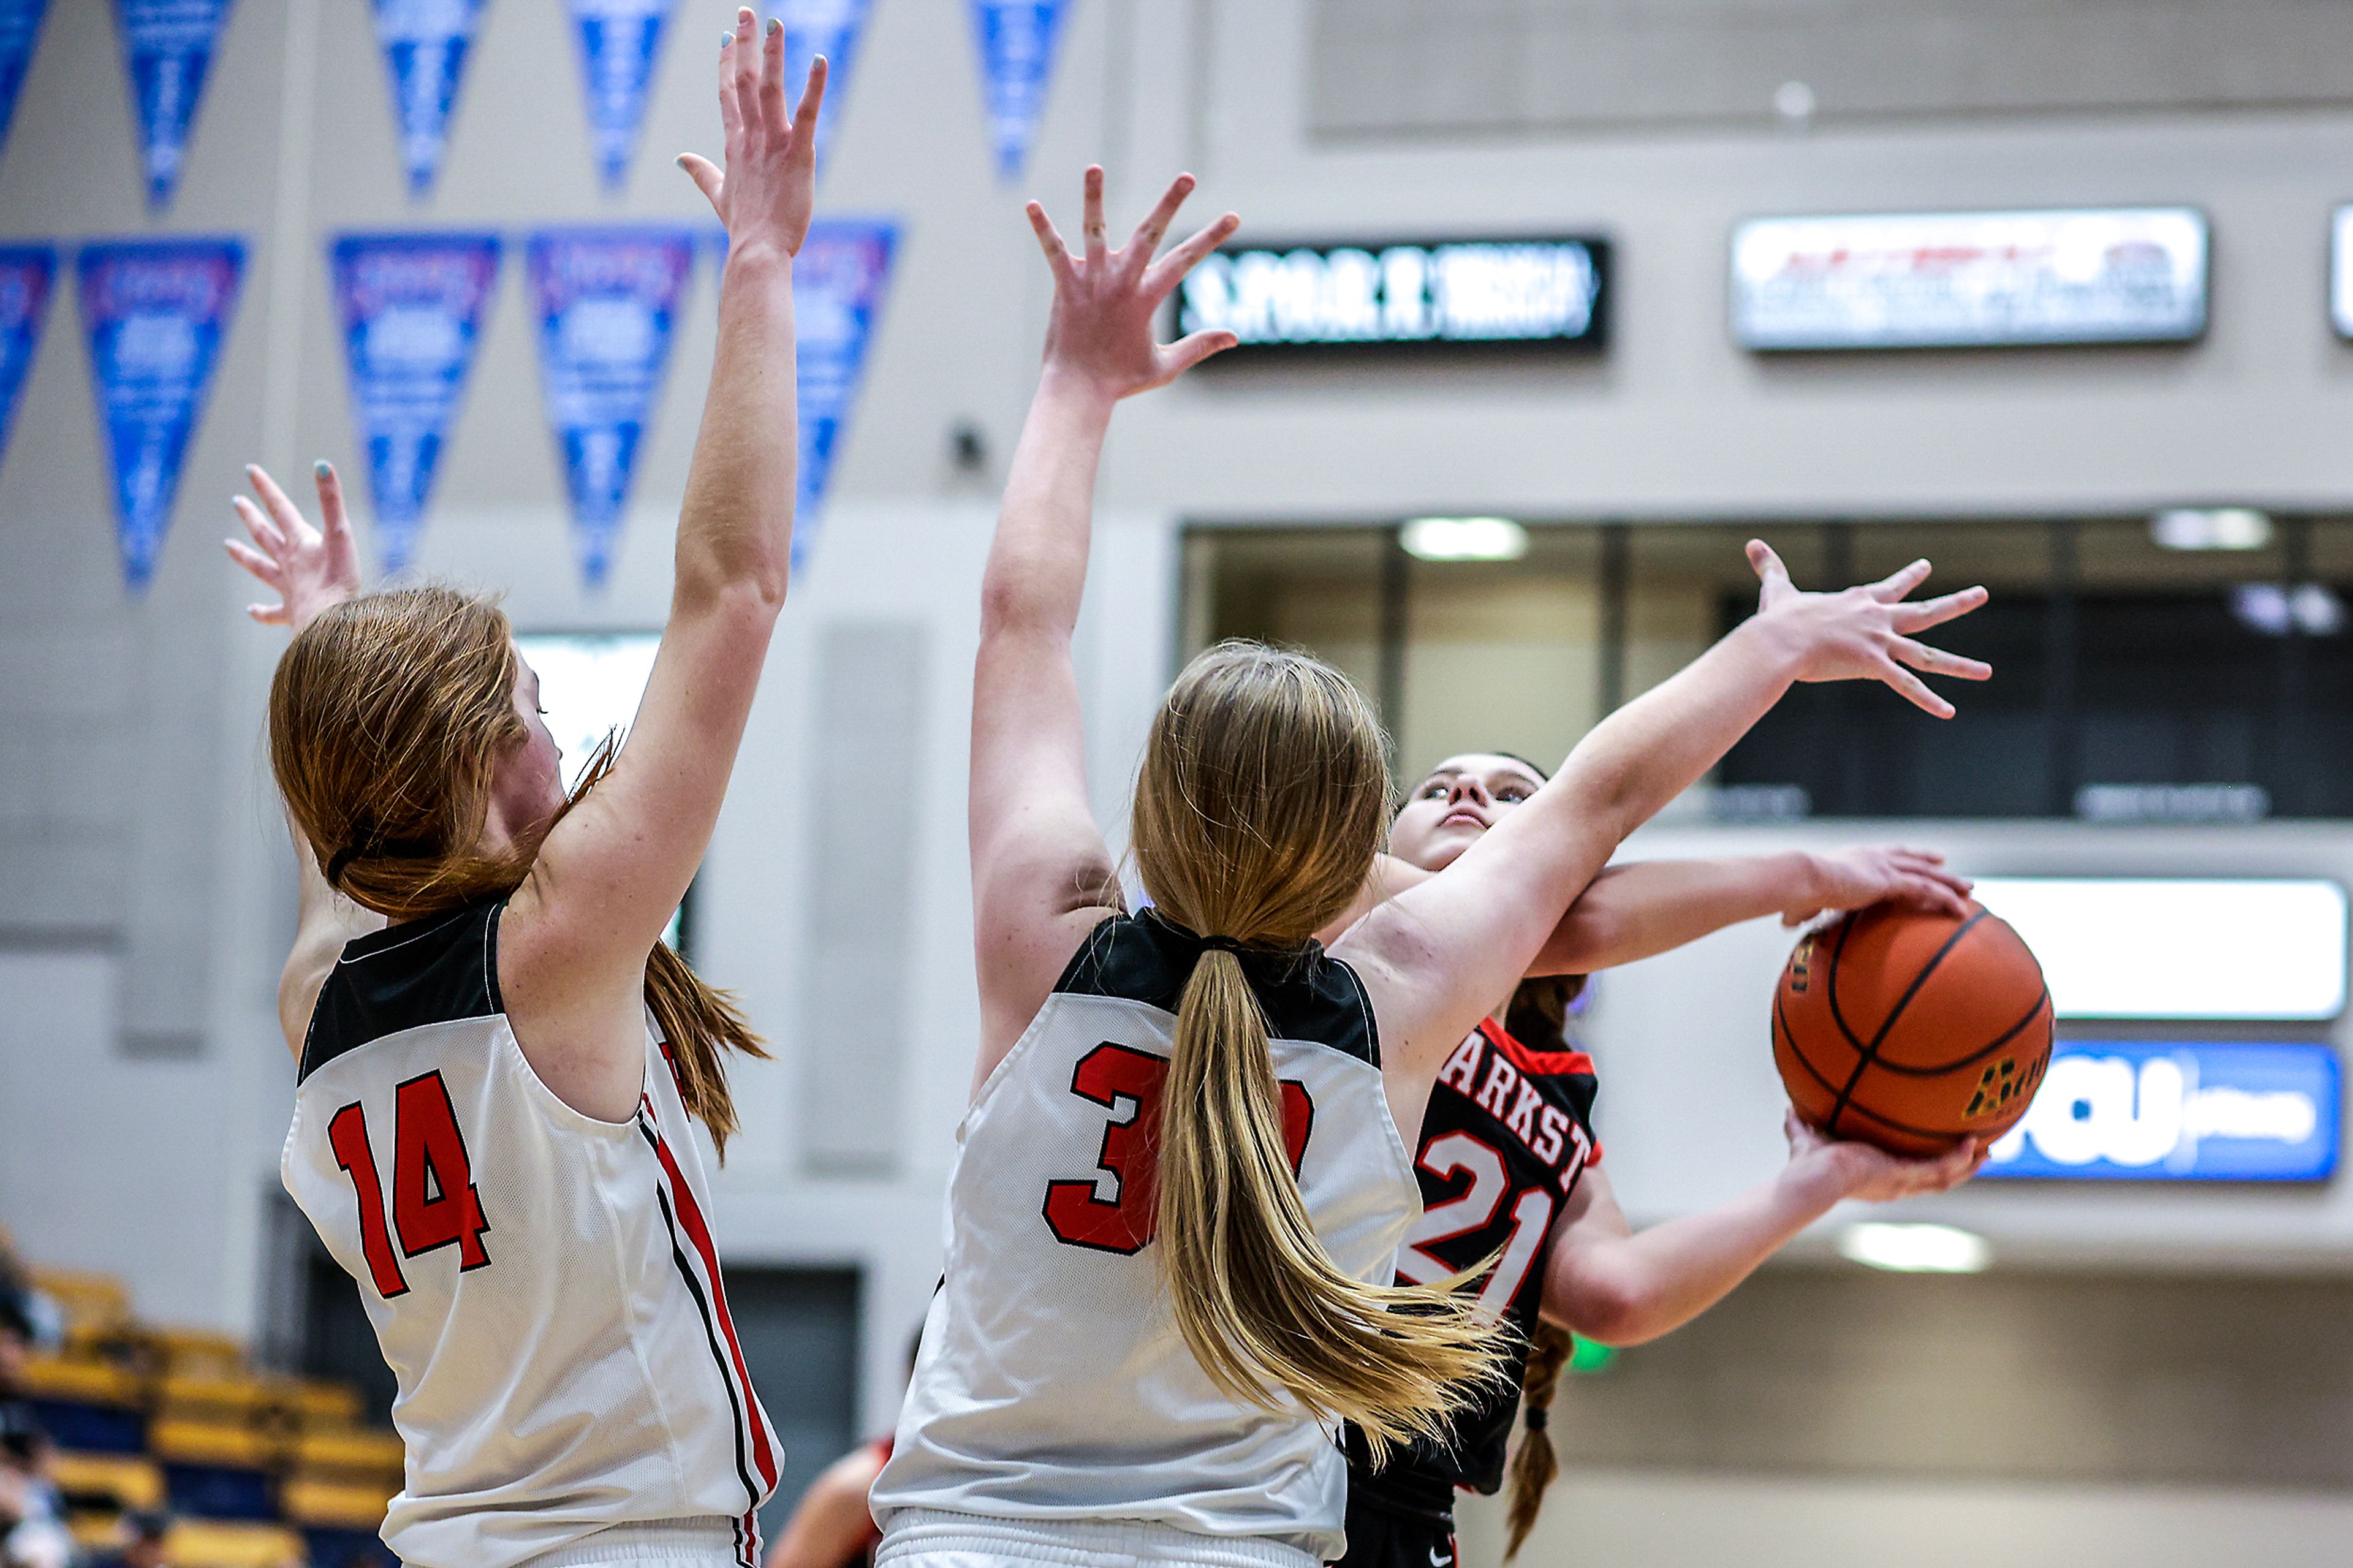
(1771, 576)
(1163, 274)
(744, 79)
(1929, 612)
(804, 116)
(1049, 239)
(285, 517)
(1091, 217)
(1937, 661)
(1896, 584)
(1188, 352)
(1148, 235)
(1914, 690)
(772, 80)
(707, 179)
(335, 519)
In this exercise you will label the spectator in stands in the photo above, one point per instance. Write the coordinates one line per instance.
(32, 1531)
(15, 1343)
(142, 1532)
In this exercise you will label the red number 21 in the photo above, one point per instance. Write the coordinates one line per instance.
(434, 1204)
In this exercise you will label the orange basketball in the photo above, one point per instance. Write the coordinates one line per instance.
(1912, 1030)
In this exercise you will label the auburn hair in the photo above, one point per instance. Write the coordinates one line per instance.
(1262, 800)
(388, 717)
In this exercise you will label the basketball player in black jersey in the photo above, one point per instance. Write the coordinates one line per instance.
(1508, 1160)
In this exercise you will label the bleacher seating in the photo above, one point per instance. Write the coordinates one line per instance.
(260, 1470)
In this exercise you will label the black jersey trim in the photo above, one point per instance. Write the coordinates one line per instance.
(1307, 994)
(434, 970)
(702, 1306)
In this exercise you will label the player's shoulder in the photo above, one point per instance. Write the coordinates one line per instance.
(1560, 1063)
(437, 969)
(1307, 993)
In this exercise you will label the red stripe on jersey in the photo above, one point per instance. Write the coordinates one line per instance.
(689, 1215)
(1542, 1064)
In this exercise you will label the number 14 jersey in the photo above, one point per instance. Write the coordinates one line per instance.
(543, 1284)
(1052, 1383)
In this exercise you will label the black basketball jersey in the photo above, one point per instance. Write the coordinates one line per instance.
(1506, 1135)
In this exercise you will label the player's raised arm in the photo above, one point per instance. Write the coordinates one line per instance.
(1042, 873)
(574, 946)
(1437, 955)
(310, 570)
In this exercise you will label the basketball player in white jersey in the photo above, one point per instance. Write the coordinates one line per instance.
(1186, 1163)
(491, 1122)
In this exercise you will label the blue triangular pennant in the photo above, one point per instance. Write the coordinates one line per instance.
(1017, 41)
(20, 29)
(27, 273)
(838, 280)
(619, 42)
(167, 48)
(155, 313)
(828, 28)
(411, 306)
(607, 297)
(425, 44)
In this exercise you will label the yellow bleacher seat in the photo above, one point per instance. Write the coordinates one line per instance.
(367, 1448)
(339, 1505)
(97, 1531)
(198, 1350)
(126, 1479)
(215, 1396)
(81, 1379)
(210, 1443)
(318, 1404)
(98, 1300)
(212, 1543)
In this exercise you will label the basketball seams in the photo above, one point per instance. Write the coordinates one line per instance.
(1974, 1057)
(1869, 1055)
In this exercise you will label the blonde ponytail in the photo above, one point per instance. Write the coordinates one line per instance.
(1262, 799)
(1536, 1464)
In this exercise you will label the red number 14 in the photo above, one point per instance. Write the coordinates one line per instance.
(434, 1204)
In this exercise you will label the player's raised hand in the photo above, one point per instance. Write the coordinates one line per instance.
(1850, 879)
(768, 189)
(1865, 632)
(1100, 331)
(1870, 1173)
(313, 569)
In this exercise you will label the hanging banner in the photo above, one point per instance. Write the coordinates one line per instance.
(838, 283)
(619, 42)
(27, 272)
(155, 313)
(607, 297)
(167, 47)
(20, 29)
(411, 307)
(424, 44)
(1017, 41)
(814, 27)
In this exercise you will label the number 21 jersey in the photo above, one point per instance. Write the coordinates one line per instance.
(543, 1284)
(1053, 1383)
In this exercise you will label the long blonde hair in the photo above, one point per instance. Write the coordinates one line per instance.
(1262, 800)
(388, 716)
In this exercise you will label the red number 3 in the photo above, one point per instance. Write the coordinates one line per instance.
(1106, 1075)
(434, 1204)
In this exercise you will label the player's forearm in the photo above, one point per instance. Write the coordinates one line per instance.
(736, 527)
(1037, 562)
(1628, 1289)
(1631, 912)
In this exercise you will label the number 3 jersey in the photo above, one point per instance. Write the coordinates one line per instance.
(1507, 1135)
(1053, 1384)
(543, 1284)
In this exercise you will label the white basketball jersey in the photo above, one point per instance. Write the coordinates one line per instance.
(543, 1284)
(1053, 1383)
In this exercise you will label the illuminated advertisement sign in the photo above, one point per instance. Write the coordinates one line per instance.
(2248, 948)
(1458, 294)
(2169, 1111)
(2340, 271)
(1969, 279)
